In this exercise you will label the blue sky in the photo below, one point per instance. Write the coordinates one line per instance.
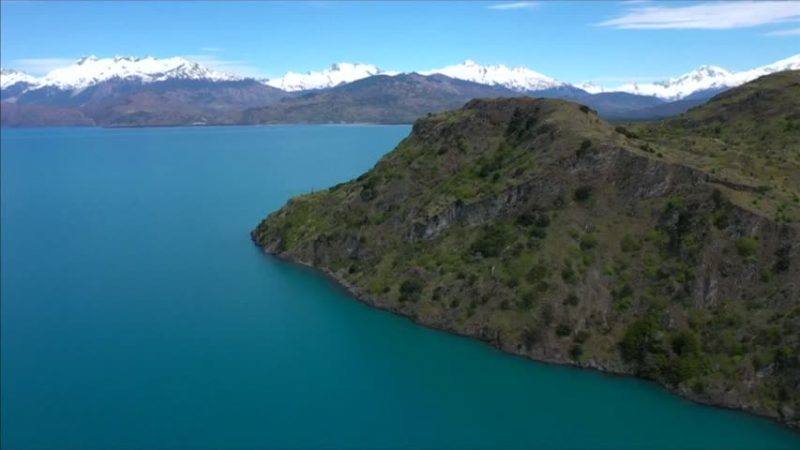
(607, 42)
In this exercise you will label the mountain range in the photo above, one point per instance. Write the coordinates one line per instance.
(129, 91)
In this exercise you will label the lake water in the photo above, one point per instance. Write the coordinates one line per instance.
(136, 313)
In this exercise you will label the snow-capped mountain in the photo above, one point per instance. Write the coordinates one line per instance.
(10, 77)
(515, 78)
(91, 70)
(335, 75)
(701, 79)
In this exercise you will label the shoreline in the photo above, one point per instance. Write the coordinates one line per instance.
(356, 293)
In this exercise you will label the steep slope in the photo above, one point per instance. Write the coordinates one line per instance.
(536, 226)
(380, 99)
(745, 138)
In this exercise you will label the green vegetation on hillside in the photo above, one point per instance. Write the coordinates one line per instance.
(668, 250)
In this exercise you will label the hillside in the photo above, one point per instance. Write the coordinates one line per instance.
(539, 228)
(378, 99)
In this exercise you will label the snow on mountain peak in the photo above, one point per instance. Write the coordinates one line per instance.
(515, 78)
(335, 75)
(705, 78)
(91, 70)
(10, 77)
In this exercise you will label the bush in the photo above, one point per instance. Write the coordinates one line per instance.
(629, 244)
(583, 193)
(492, 241)
(538, 273)
(746, 246)
(685, 343)
(584, 148)
(410, 290)
(571, 300)
(588, 242)
(639, 340)
(626, 132)
(563, 330)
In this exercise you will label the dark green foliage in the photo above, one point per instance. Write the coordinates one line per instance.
(563, 329)
(746, 246)
(640, 339)
(628, 244)
(582, 194)
(492, 240)
(626, 132)
(588, 242)
(569, 276)
(538, 272)
(685, 342)
(410, 290)
(584, 148)
(782, 260)
(571, 300)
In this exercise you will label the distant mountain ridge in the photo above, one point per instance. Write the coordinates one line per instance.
(129, 91)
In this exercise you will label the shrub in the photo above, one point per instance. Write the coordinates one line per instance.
(492, 240)
(569, 276)
(746, 246)
(639, 340)
(583, 193)
(628, 244)
(538, 273)
(584, 148)
(626, 132)
(410, 289)
(571, 300)
(588, 242)
(686, 342)
(563, 329)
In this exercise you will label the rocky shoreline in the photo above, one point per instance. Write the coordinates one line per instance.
(612, 370)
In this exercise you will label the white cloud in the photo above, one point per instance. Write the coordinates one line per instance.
(40, 66)
(512, 5)
(709, 15)
(789, 32)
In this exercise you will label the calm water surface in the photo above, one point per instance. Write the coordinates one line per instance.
(137, 314)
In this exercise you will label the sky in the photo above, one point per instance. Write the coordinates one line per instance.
(609, 42)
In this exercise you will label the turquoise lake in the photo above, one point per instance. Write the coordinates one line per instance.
(137, 314)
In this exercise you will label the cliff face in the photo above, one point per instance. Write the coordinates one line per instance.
(539, 228)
